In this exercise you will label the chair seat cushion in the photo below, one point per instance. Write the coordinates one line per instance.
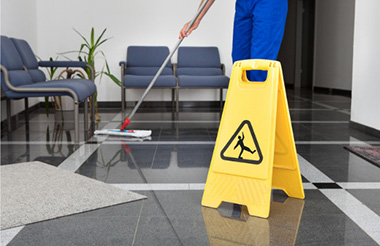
(37, 75)
(144, 81)
(219, 81)
(199, 71)
(148, 71)
(82, 87)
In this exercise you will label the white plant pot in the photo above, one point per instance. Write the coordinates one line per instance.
(67, 103)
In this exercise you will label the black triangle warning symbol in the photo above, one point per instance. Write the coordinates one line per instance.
(243, 146)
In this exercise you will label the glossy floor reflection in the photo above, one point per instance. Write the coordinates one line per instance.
(342, 190)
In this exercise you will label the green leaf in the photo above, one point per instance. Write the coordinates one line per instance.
(81, 48)
(97, 45)
(113, 78)
(92, 37)
(85, 40)
(100, 37)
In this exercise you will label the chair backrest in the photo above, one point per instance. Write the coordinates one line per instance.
(146, 60)
(12, 61)
(29, 59)
(199, 61)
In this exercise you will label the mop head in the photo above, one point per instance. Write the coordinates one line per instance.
(126, 133)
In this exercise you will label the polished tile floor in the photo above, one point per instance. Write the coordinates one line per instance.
(342, 204)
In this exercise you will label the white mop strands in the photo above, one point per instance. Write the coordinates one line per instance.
(126, 133)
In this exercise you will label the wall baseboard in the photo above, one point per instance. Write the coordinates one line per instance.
(366, 129)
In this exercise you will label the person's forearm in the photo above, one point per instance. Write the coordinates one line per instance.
(206, 8)
(186, 30)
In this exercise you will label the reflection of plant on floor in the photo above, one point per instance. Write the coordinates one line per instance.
(88, 52)
(107, 165)
(54, 145)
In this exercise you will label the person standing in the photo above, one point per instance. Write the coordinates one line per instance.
(258, 30)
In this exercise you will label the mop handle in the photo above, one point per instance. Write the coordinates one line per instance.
(128, 119)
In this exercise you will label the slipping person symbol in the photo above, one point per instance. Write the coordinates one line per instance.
(243, 147)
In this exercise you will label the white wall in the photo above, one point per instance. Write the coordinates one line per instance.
(365, 108)
(18, 19)
(131, 22)
(333, 44)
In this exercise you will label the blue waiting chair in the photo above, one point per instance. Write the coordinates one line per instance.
(200, 67)
(141, 66)
(21, 78)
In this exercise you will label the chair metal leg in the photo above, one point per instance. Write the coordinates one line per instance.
(177, 99)
(122, 98)
(26, 106)
(9, 115)
(173, 98)
(76, 122)
(93, 108)
(85, 114)
(221, 99)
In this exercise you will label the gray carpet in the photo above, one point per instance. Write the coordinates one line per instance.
(34, 191)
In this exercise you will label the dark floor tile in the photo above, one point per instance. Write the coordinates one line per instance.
(327, 185)
(339, 132)
(303, 133)
(339, 164)
(318, 115)
(371, 198)
(303, 105)
(179, 164)
(341, 104)
(108, 226)
(50, 153)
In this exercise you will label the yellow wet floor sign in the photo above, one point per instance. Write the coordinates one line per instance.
(255, 150)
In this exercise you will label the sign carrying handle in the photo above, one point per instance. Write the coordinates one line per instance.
(248, 65)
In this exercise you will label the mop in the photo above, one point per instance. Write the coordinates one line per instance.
(146, 133)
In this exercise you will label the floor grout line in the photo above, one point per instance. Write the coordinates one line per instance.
(153, 142)
(201, 186)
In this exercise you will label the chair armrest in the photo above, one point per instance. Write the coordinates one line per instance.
(62, 64)
(31, 90)
(123, 67)
(223, 67)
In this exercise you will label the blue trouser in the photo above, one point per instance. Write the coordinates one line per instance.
(258, 31)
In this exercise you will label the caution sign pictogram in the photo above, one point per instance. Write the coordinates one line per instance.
(254, 150)
(243, 147)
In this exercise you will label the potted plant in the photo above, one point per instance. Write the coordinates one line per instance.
(89, 52)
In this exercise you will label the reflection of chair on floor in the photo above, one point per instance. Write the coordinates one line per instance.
(142, 64)
(203, 153)
(21, 78)
(163, 160)
(57, 149)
